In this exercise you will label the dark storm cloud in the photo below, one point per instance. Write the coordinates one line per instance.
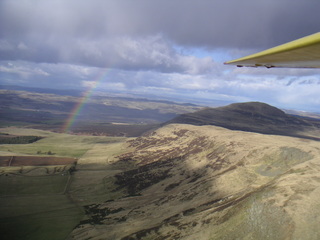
(142, 34)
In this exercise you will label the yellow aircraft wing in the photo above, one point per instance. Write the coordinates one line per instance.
(301, 53)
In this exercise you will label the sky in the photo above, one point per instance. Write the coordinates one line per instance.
(169, 48)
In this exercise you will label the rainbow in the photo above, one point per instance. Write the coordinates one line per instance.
(78, 107)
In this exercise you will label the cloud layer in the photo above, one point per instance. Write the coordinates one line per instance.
(170, 46)
(120, 33)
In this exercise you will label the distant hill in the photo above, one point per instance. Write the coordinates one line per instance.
(252, 117)
(99, 115)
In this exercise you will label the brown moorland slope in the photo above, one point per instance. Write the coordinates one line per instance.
(207, 182)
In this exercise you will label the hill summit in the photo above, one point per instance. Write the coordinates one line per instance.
(250, 116)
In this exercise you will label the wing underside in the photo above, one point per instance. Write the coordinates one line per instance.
(301, 53)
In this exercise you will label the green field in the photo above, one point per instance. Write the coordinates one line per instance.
(31, 185)
(63, 145)
(38, 217)
(40, 205)
(35, 207)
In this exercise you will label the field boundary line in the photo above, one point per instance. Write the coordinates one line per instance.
(10, 161)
